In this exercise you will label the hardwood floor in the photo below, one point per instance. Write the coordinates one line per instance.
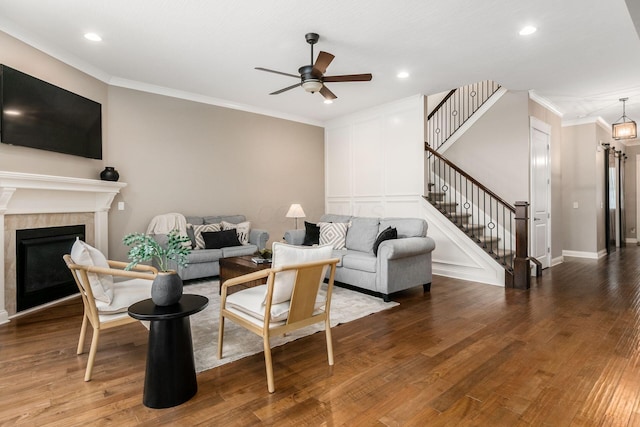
(567, 352)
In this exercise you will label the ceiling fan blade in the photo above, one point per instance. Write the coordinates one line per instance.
(278, 72)
(348, 78)
(286, 89)
(327, 93)
(323, 61)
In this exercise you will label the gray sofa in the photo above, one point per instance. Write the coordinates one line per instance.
(400, 264)
(204, 262)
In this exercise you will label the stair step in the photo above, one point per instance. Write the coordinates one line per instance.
(459, 218)
(502, 254)
(436, 196)
(488, 241)
(447, 206)
(475, 230)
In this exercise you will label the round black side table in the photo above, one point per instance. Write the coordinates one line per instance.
(170, 377)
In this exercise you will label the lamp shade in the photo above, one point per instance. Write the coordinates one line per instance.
(295, 211)
(624, 130)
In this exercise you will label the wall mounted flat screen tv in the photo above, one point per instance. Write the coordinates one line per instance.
(40, 115)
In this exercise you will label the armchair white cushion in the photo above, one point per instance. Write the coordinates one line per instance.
(297, 273)
(285, 255)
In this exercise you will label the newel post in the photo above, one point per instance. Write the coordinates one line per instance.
(521, 271)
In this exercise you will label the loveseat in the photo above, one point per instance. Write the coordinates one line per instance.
(204, 262)
(400, 263)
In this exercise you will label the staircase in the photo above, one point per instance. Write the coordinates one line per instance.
(474, 209)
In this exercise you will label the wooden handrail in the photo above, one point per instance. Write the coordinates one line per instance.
(445, 99)
(469, 177)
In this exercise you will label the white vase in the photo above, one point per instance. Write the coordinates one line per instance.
(166, 288)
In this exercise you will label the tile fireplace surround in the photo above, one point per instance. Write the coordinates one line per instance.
(34, 201)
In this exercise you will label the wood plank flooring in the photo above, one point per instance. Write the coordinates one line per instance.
(565, 353)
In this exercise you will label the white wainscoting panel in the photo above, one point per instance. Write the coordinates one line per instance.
(368, 158)
(338, 160)
(374, 160)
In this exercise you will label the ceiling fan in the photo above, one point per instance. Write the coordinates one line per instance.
(312, 78)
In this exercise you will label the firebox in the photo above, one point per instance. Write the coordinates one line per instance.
(42, 275)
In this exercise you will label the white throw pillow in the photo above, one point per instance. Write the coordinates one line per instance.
(101, 284)
(242, 230)
(285, 255)
(334, 233)
(199, 229)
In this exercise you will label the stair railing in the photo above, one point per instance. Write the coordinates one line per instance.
(481, 214)
(455, 109)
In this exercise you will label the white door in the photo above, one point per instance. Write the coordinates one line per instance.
(540, 209)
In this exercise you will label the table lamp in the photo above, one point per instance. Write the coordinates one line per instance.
(295, 211)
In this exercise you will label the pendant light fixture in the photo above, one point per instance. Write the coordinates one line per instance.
(624, 128)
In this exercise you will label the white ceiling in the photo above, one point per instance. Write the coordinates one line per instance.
(583, 58)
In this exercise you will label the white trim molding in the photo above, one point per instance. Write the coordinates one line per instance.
(25, 193)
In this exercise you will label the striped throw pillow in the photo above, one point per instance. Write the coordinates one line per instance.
(199, 229)
(333, 233)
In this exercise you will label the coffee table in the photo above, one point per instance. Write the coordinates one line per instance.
(237, 266)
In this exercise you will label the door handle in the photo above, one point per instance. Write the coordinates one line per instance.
(536, 219)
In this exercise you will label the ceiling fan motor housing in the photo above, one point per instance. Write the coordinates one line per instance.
(312, 38)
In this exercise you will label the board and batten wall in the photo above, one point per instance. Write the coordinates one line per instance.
(374, 161)
(180, 156)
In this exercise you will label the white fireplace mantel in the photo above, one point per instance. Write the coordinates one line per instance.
(25, 193)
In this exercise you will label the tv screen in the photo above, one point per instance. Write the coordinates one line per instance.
(40, 115)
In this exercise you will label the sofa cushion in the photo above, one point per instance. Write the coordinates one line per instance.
(195, 220)
(220, 239)
(311, 234)
(242, 230)
(387, 234)
(212, 219)
(241, 250)
(335, 218)
(362, 234)
(199, 229)
(204, 255)
(357, 260)
(236, 219)
(407, 227)
(333, 233)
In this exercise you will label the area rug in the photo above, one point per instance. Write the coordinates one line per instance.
(346, 306)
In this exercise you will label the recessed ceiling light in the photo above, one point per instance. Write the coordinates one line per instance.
(12, 112)
(529, 29)
(403, 75)
(328, 101)
(93, 37)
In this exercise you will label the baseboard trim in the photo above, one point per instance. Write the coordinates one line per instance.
(631, 240)
(580, 254)
(557, 260)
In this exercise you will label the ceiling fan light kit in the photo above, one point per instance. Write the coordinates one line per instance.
(312, 78)
(624, 128)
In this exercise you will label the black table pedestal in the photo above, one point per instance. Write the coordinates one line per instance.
(170, 375)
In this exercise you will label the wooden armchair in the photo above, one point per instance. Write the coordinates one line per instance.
(291, 299)
(122, 294)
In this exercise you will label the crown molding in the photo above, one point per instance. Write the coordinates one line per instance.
(545, 103)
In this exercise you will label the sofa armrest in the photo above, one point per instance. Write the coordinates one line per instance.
(294, 237)
(258, 237)
(405, 247)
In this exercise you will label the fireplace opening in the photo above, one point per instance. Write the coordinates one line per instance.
(42, 275)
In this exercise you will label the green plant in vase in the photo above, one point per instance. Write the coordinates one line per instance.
(144, 248)
(167, 285)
